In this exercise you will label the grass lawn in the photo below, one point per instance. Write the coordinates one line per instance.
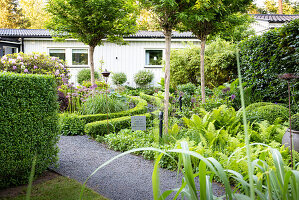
(59, 188)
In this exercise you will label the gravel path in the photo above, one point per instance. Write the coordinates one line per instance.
(126, 178)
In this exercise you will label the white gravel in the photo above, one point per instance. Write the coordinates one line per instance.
(126, 178)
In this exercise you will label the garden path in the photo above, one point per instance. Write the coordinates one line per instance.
(126, 178)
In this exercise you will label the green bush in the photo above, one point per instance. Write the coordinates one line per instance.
(143, 78)
(220, 64)
(84, 75)
(266, 111)
(295, 122)
(265, 57)
(119, 78)
(28, 125)
(99, 128)
(70, 124)
(101, 103)
(35, 63)
(156, 101)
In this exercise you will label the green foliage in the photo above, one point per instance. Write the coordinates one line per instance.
(101, 103)
(220, 64)
(143, 78)
(119, 78)
(156, 101)
(115, 125)
(28, 125)
(136, 91)
(188, 88)
(84, 75)
(140, 108)
(266, 111)
(265, 57)
(70, 124)
(70, 17)
(295, 122)
(35, 63)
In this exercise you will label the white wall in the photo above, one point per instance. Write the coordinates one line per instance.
(128, 58)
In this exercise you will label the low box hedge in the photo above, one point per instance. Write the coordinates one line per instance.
(152, 99)
(28, 125)
(140, 108)
(99, 128)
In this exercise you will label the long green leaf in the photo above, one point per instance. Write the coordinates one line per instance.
(156, 179)
(202, 180)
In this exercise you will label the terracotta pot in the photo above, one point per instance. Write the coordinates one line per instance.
(286, 139)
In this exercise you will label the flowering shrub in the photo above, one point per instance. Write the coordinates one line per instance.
(143, 77)
(35, 63)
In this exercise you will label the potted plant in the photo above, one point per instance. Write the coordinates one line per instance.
(295, 133)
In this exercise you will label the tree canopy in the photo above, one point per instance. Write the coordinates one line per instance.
(11, 15)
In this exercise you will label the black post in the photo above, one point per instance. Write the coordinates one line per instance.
(180, 101)
(161, 123)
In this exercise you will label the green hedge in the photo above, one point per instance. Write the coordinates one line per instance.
(140, 108)
(99, 128)
(266, 111)
(70, 124)
(28, 125)
(154, 100)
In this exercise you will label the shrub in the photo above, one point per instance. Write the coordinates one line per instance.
(35, 63)
(84, 75)
(220, 64)
(266, 111)
(101, 103)
(265, 57)
(188, 88)
(63, 101)
(119, 78)
(28, 125)
(143, 77)
(70, 124)
(99, 128)
(295, 122)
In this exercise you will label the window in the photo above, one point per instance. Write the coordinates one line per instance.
(153, 57)
(9, 50)
(79, 57)
(60, 53)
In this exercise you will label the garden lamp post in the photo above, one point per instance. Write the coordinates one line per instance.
(106, 76)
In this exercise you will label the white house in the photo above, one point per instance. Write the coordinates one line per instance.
(145, 50)
(265, 22)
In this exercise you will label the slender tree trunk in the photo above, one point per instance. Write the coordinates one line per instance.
(91, 51)
(167, 78)
(202, 68)
(280, 10)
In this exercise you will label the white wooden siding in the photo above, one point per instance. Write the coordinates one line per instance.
(128, 58)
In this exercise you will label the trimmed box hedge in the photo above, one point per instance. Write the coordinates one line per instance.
(140, 108)
(115, 125)
(28, 125)
(152, 99)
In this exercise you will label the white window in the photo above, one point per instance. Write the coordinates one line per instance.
(79, 56)
(153, 57)
(60, 53)
(9, 50)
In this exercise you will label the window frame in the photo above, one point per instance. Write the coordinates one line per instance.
(153, 66)
(71, 56)
(54, 48)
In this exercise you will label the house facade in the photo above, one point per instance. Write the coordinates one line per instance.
(266, 22)
(143, 51)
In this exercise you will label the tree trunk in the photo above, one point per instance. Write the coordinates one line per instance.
(167, 78)
(202, 69)
(91, 51)
(280, 10)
